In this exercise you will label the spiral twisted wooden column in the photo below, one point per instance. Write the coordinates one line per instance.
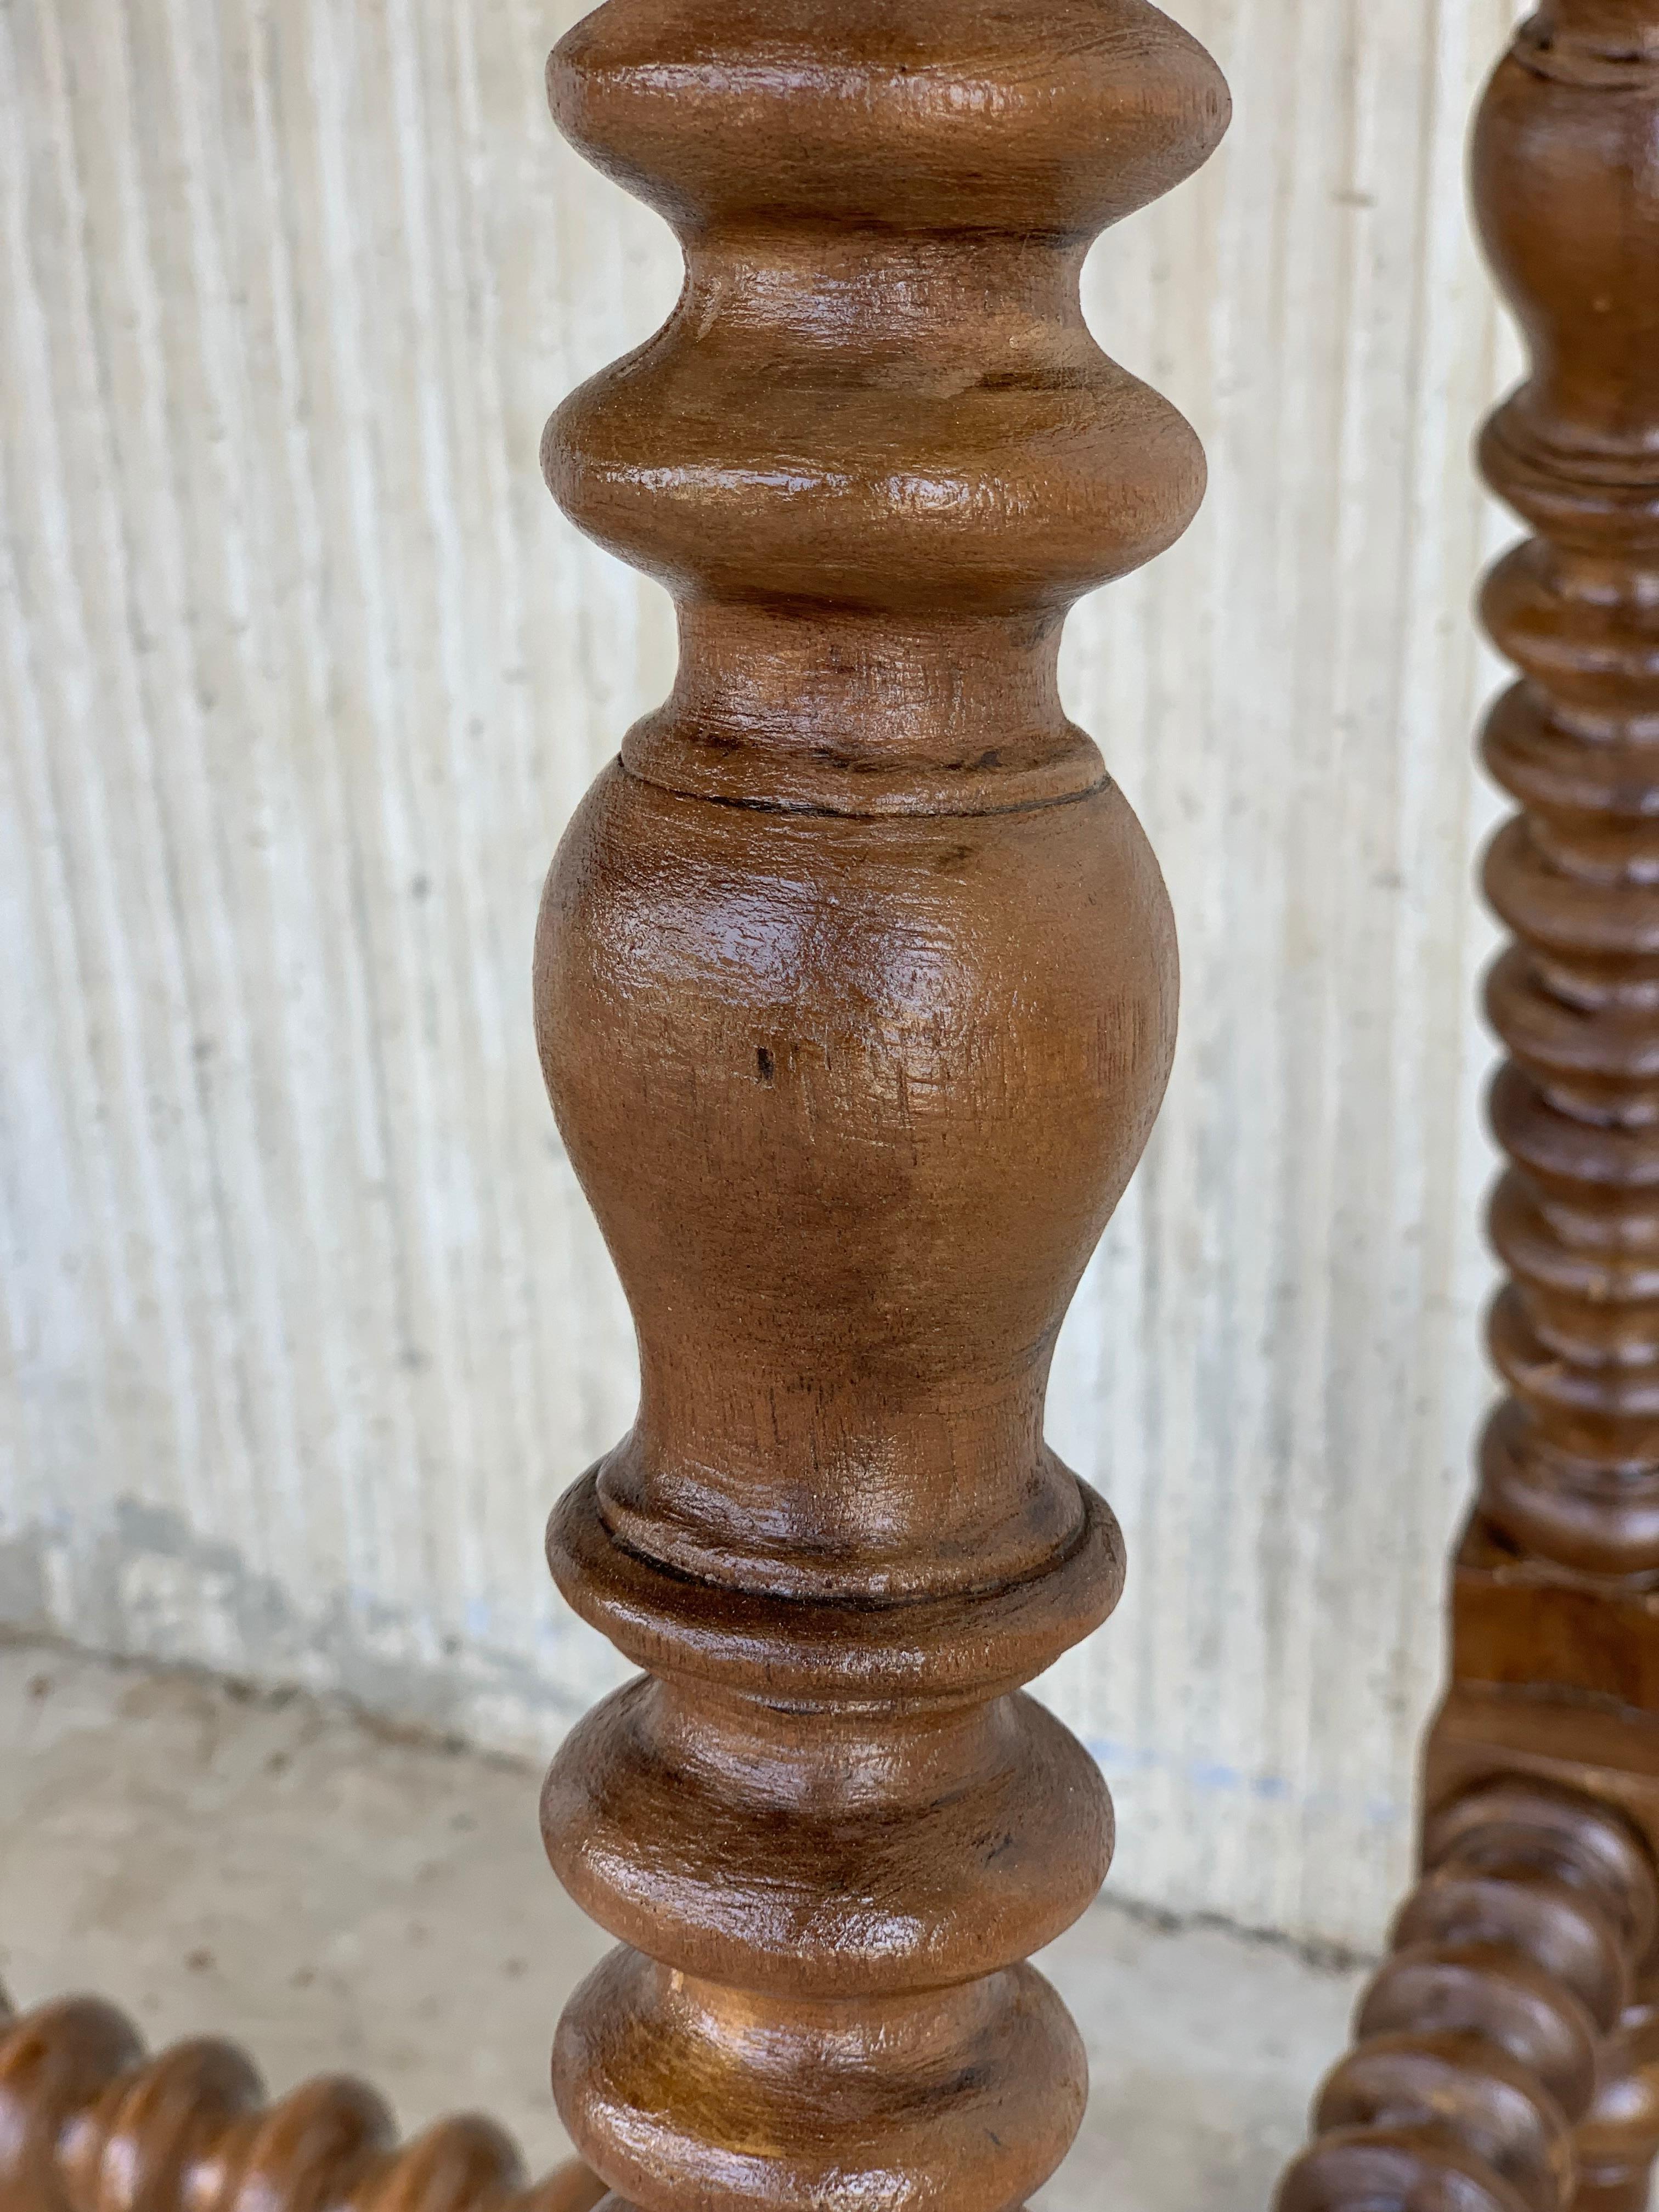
(1555, 1596)
(1479, 2044)
(855, 987)
(90, 2123)
(1567, 172)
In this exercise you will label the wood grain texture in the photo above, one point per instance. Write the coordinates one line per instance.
(1566, 174)
(304, 1317)
(855, 991)
(1551, 1600)
(1484, 2041)
(1551, 1715)
(1552, 1592)
(91, 2123)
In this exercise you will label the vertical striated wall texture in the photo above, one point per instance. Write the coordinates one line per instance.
(304, 1320)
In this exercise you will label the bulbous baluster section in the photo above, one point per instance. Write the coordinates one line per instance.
(89, 2122)
(1478, 2044)
(855, 990)
(1567, 189)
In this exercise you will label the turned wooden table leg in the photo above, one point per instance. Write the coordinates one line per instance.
(855, 987)
(1555, 1594)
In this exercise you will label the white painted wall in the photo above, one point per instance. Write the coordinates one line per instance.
(305, 1322)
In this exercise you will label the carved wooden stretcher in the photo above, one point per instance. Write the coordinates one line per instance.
(855, 988)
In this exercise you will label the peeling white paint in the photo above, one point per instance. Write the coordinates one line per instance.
(304, 1321)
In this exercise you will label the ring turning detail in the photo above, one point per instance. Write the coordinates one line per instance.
(1566, 172)
(855, 985)
(1482, 2043)
(90, 2122)
(1520, 2067)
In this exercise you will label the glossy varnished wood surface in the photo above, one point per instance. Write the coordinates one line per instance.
(855, 987)
(1554, 1586)
(1482, 2042)
(1554, 1626)
(90, 2122)
(1567, 169)
(311, 1315)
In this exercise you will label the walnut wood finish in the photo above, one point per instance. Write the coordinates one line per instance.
(1553, 1600)
(1567, 191)
(90, 2123)
(855, 987)
(1555, 1596)
(1479, 2044)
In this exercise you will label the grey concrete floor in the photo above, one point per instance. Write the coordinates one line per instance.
(273, 1869)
